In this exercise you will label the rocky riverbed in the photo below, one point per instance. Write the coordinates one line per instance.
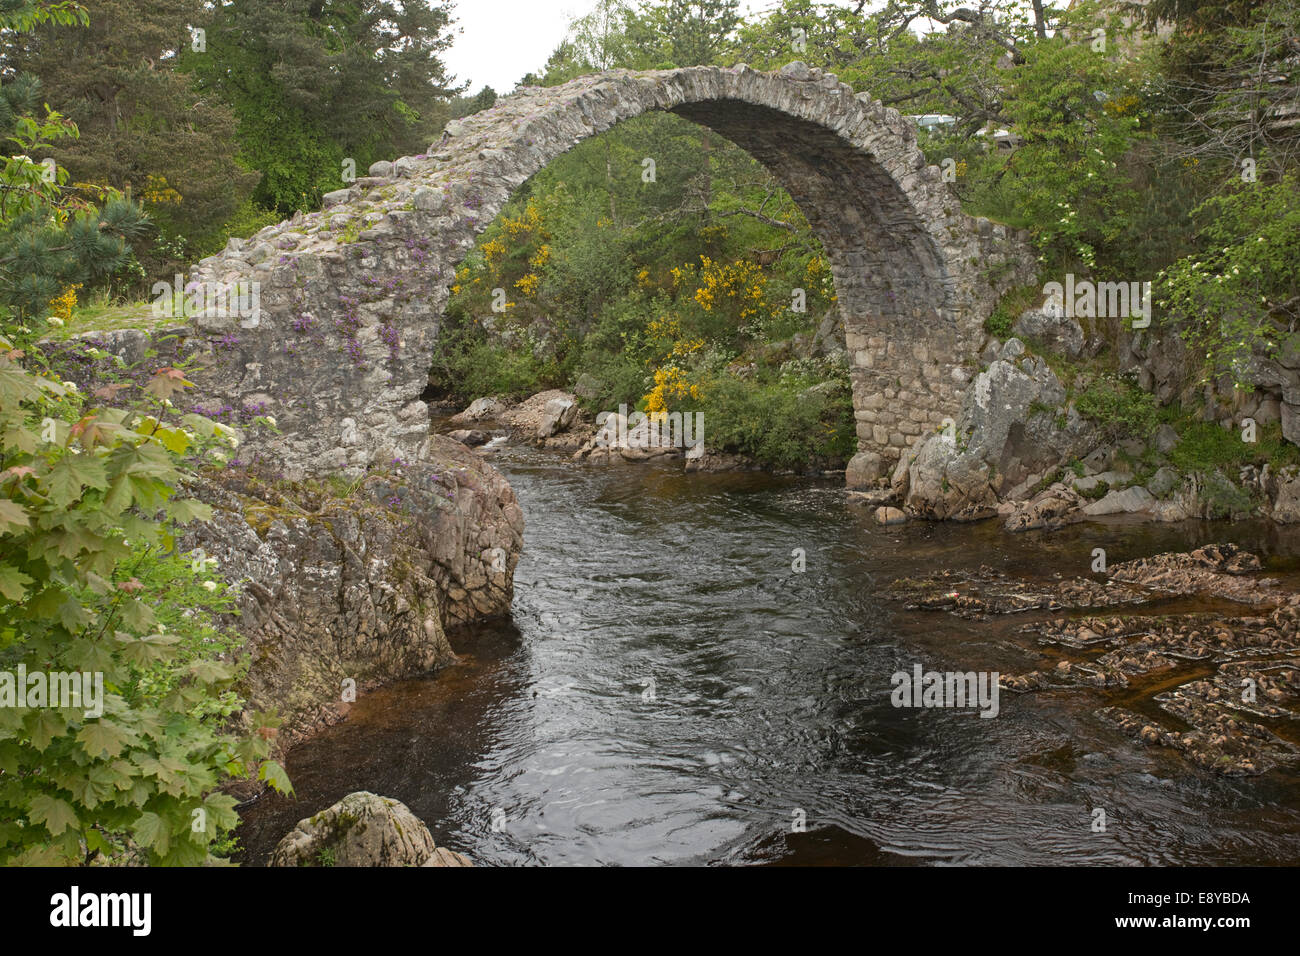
(1223, 689)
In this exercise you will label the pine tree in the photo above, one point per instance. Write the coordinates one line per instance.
(50, 240)
(314, 82)
(143, 128)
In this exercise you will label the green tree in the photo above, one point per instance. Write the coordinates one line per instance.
(314, 82)
(126, 763)
(143, 129)
(50, 241)
(678, 33)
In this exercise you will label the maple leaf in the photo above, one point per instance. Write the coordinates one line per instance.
(166, 382)
(109, 392)
(87, 431)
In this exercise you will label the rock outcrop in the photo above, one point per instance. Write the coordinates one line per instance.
(1050, 329)
(336, 579)
(359, 582)
(1014, 425)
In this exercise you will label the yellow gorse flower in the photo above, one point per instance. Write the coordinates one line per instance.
(670, 382)
(157, 192)
(741, 280)
(61, 306)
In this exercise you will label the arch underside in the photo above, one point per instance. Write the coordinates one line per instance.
(353, 295)
(889, 278)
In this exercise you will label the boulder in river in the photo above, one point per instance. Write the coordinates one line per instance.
(478, 410)
(864, 470)
(363, 829)
(887, 515)
(557, 415)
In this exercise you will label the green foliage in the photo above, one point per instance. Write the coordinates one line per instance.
(1237, 296)
(1097, 491)
(247, 219)
(90, 582)
(23, 15)
(313, 83)
(1009, 308)
(144, 130)
(783, 424)
(1077, 115)
(1119, 408)
(470, 364)
(1205, 447)
(50, 241)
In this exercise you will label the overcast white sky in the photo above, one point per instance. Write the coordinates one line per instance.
(501, 40)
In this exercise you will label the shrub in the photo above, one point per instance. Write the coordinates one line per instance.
(90, 582)
(1120, 410)
(783, 425)
(1205, 446)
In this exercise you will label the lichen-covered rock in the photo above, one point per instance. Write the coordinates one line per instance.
(358, 582)
(1013, 424)
(362, 829)
(1052, 508)
(1285, 495)
(1050, 329)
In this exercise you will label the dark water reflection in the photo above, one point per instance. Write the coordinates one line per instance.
(770, 698)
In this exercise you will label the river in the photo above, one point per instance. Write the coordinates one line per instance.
(670, 691)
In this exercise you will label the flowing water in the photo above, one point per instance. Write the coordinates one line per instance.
(669, 690)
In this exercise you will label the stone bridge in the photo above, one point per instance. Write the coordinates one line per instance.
(352, 296)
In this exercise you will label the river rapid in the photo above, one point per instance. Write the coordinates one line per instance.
(669, 690)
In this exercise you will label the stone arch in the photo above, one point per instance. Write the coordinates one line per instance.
(351, 297)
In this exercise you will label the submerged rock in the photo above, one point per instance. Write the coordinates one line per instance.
(1240, 720)
(888, 516)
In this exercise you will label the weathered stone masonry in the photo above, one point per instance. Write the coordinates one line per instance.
(352, 296)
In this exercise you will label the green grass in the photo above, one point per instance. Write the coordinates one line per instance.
(1204, 446)
(108, 317)
(1009, 308)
